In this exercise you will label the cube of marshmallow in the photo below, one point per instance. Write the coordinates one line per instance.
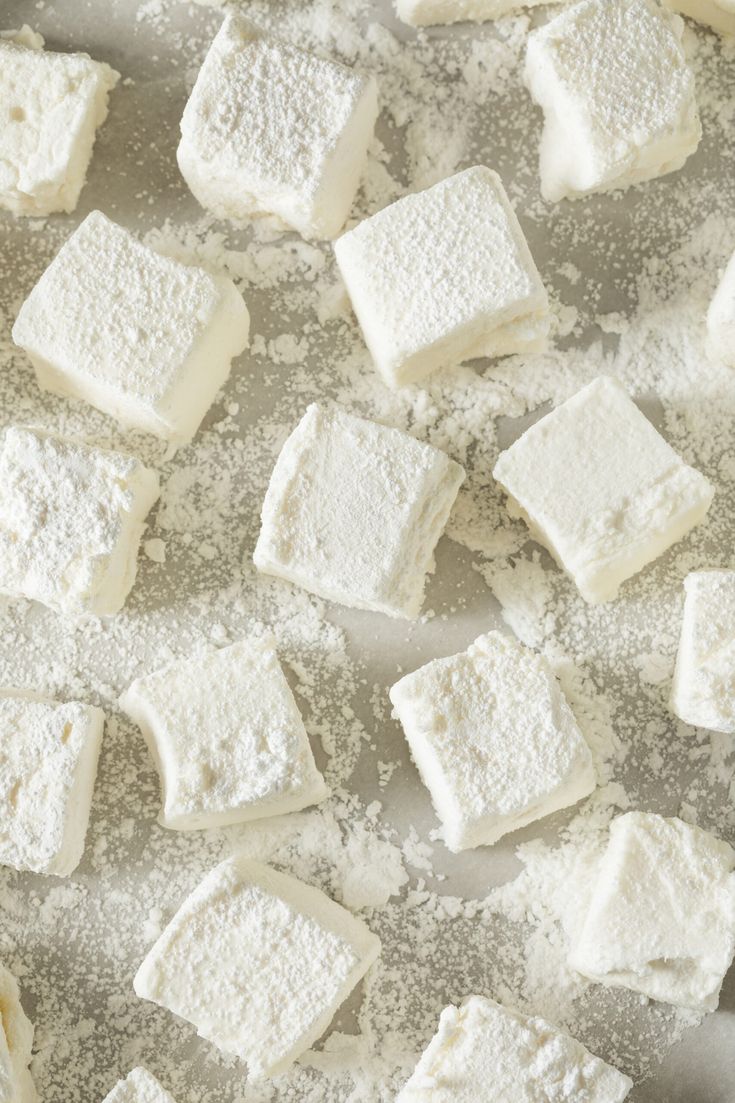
(16, 1042)
(600, 488)
(494, 740)
(271, 128)
(426, 13)
(258, 962)
(71, 519)
(226, 735)
(526, 1059)
(704, 679)
(444, 276)
(617, 95)
(48, 763)
(718, 14)
(139, 336)
(354, 511)
(53, 105)
(138, 1087)
(721, 318)
(662, 915)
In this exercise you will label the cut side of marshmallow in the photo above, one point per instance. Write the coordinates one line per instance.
(704, 679)
(16, 1043)
(721, 319)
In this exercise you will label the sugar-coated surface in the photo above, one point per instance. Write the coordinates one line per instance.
(493, 738)
(227, 737)
(71, 519)
(721, 315)
(601, 488)
(16, 1042)
(139, 1086)
(425, 13)
(483, 1052)
(272, 128)
(719, 14)
(617, 94)
(703, 692)
(140, 336)
(258, 962)
(354, 510)
(662, 916)
(444, 276)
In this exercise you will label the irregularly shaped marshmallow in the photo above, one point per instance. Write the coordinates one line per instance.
(662, 916)
(494, 740)
(718, 14)
(52, 106)
(16, 1042)
(71, 519)
(444, 276)
(704, 679)
(617, 95)
(600, 488)
(721, 317)
(354, 510)
(483, 1051)
(270, 128)
(138, 1087)
(140, 336)
(425, 13)
(227, 738)
(258, 962)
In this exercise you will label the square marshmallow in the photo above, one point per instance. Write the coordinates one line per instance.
(258, 962)
(662, 916)
(444, 276)
(48, 763)
(426, 13)
(16, 1043)
(718, 14)
(494, 740)
(354, 511)
(226, 735)
(138, 1087)
(485, 1051)
(617, 96)
(704, 679)
(600, 488)
(721, 317)
(271, 128)
(71, 519)
(52, 106)
(140, 336)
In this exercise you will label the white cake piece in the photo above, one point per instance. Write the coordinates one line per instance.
(16, 1042)
(52, 106)
(227, 738)
(703, 692)
(617, 95)
(142, 337)
(354, 511)
(601, 488)
(258, 962)
(271, 128)
(718, 14)
(494, 740)
(71, 519)
(444, 276)
(426, 13)
(721, 318)
(662, 916)
(483, 1052)
(138, 1087)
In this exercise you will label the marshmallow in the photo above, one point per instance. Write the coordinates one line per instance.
(494, 740)
(258, 962)
(227, 738)
(137, 335)
(721, 319)
(138, 1087)
(425, 13)
(16, 1042)
(617, 95)
(52, 105)
(71, 519)
(600, 488)
(718, 14)
(354, 511)
(703, 693)
(662, 915)
(444, 276)
(271, 128)
(485, 1051)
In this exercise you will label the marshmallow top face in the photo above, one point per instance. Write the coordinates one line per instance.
(494, 740)
(138, 1087)
(16, 1042)
(427, 13)
(258, 962)
(227, 737)
(271, 128)
(617, 95)
(601, 488)
(71, 518)
(53, 105)
(721, 316)
(444, 276)
(140, 336)
(354, 510)
(526, 1060)
(662, 916)
(704, 679)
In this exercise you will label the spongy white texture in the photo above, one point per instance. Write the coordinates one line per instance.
(703, 692)
(721, 317)
(425, 13)
(718, 14)
(139, 1086)
(16, 1041)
